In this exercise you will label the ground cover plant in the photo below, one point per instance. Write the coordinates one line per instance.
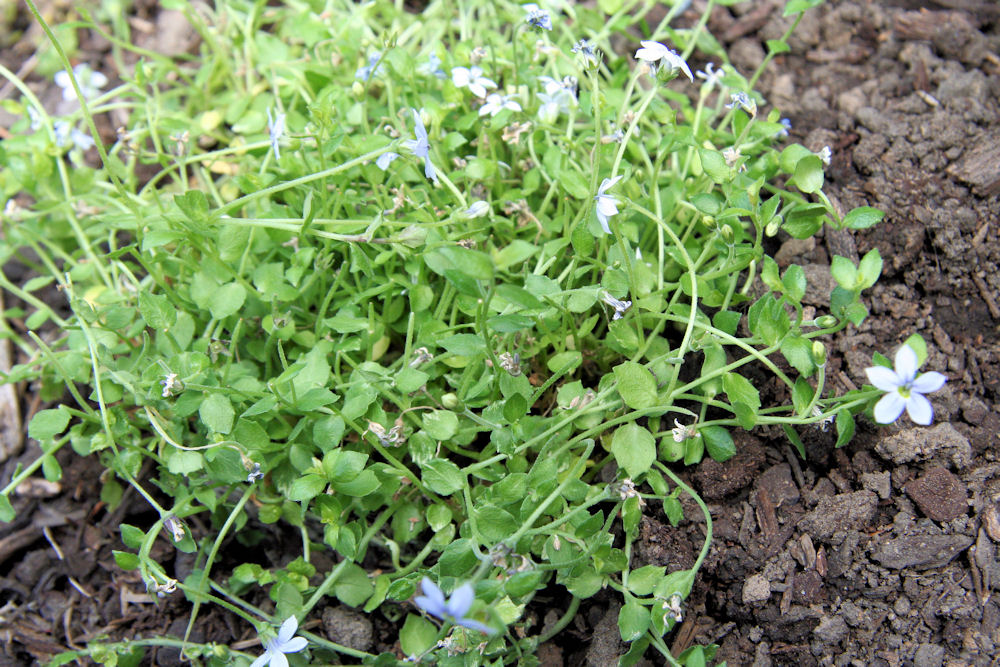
(445, 290)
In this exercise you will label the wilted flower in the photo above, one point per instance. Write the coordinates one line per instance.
(744, 101)
(825, 155)
(537, 17)
(496, 103)
(276, 128)
(255, 474)
(421, 355)
(512, 133)
(373, 68)
(731, 155)
(619, 306)
(682, 432)
(607, 205)
(585, 50)
(655, 54)
(710, 75)
(904, 389)
(175, 527)
(473, 79)
(511, 363)
(477, 210)
(421, 146)
(672, 608)
(171, 385)
(90, 82)
(452, 610)
(387, 438)
(286, 642)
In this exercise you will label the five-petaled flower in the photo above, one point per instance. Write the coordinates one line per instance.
(495, 103)
(275, 128)
(432, 67)
(90, 82)
(537, 16)
(585, 50)
(607, 205)
(710, 75)
(825, 155)
(421, 146)
(473, 79)
(654, 54)
(373, 68)
(66, 133)
(454, 608)
(904, 389)
(286, 642)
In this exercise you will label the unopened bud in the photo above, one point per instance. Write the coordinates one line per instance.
(819, 353)
(449, 401)
(825, 321)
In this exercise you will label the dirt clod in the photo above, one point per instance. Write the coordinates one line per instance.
(939, 494)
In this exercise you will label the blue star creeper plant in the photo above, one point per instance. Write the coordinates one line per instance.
(422, 375)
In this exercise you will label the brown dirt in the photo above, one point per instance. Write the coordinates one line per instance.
(882, 553)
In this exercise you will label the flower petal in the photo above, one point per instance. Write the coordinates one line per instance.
(296, 645)
(889, 407)
(461, 600)
(432, 591)
(603, 219)
(385, 159)
(928, 382)
(279, 660)
(607, 205)
(287, 630)
(883, 378)
(919, 409)
(460, 76)
(429, 169)
(906, 364)
(261, 660)
(607, 184)
(476, 625)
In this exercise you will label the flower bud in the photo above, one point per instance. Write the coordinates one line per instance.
(825, 321)
(449, 401)
(819, 353)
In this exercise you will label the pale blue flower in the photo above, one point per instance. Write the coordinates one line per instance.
(81, 140)
(496, 103)
(385, 159)
(432, 67)
(553, 105)
(710, 75)
(904, 389)
(744, 101)
(255, 474)
(607, 205)
(90, 82)
(286, 642)
(276, 128)
(825, 155)
(655, 54)
(452, 610)
(35, 118)
(537, 16)
(373, 68)
(473, 79)
(619, 306)
(66, 134)
(786, 126)
(421, 146)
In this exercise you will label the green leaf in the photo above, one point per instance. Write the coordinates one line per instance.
(794, 282)
(739, 390)
(7, 512)
(636, 385)
(844, 272)
(718, 443)
(443, 477)
(633, 620)
(227, 300)
(417, 635)
(798, 351)
(514, 408)
(863, 217)
(306, 488)
(643, 580)
(809, 174)
(216, 412)
(715, 358)
(353, 586)
(845, 427)
(777, 46)
(495, 524)
(802, 395)
(869, 269)
(794, 7)
(634, 448)
(795, 440)
(132, 537)
(180, 462)
(440, 424)
(47, 424)
(157, 311)
(126, 560)
(714, 165)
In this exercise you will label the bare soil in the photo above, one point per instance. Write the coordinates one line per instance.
(883, 553)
